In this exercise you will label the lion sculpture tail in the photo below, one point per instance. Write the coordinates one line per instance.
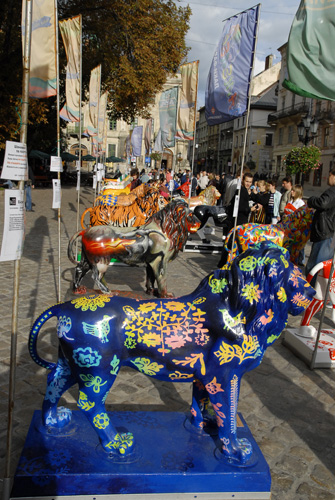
(70, 251)
(43, 318)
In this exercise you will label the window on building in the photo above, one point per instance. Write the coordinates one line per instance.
(290, 135)
(293, 101)
(283, 103)
(111, 149)
(236, 141)
(112, 124)
(134, 123)
(280, 136)
(241, 140)
(326, 132)
(317, 176)
(268, 139)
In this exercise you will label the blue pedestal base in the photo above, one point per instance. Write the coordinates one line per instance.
(170, 461)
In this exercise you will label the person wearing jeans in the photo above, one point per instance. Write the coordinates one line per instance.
(323, 225)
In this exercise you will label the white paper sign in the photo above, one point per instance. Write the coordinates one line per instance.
(77, 165)
(56, 164)
(13, 232)
(57, 193)
(99, 175)
(236, 204)
(78, 181)
(15, 165)
(100, 166)
(94, 181)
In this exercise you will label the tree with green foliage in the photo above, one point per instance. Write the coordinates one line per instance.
(302, 159)
(139, 43)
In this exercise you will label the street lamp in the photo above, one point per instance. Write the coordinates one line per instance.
(307, 129)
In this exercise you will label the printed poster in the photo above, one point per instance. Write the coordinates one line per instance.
(13, 232)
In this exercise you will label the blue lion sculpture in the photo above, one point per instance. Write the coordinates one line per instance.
(211, 336)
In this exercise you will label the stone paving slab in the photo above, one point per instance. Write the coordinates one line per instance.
(289, 408)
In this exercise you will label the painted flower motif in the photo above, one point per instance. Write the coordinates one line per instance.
(175, 341)
(147, 307)
(90, 381)
(53, 392)
(101, 421)
(251, 292)
(63, 327)
(248, 263)
(59, 457)
(151, 339)
(83, 402)
(86, 357)
(122, 442)
(214, 387)
(175, 306)
(91, 302)
(147, 366)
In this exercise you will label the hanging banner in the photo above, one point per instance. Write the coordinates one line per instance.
(136, 141)
(230, 72)
(13, 232)
(71, 33)
(147, 136)
(43, 69)
(310, 51)
(57, 193)
(158, 147)
(168, 116)
(92, 111)
(102, 121)
(187, 101)
(15, 165)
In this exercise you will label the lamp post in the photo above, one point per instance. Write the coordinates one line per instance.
(307, 129)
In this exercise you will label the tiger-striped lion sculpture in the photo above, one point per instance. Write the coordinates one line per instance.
(154, 244)
(125, 210)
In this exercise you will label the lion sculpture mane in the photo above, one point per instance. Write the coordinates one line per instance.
(211, 336)
(154, 244)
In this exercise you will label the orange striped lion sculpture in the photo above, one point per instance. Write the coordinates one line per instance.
(125, 210)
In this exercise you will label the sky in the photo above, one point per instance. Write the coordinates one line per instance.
(206, 26)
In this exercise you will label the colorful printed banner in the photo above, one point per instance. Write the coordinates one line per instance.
(91, 118)
(310, 51)
(187, 101)
(230, 73)
(71, 33)
(43, 66)
(147, 136)
(168, 116)
(136, 141)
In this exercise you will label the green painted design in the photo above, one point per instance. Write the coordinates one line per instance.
(145, 365)
(90, 381)
(115, 364)
(83, 403)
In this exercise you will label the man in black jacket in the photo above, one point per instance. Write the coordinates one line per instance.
(323, 224)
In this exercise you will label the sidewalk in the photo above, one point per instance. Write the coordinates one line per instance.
(289, 408)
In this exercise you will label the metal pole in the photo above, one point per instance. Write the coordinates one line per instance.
(246, 128)
(80, 80)
(12, 370)
(58, 149)
(322, 315)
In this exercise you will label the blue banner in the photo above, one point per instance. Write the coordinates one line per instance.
(136, 141)
(229, 76)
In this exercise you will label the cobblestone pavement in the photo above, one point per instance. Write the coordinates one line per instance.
(288, 408)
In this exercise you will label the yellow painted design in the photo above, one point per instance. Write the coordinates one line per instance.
(164, 325)
(83, 403)
(249, 349)
(282, 295)
(191, 360)
(91, 302)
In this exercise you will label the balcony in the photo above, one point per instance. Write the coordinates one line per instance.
(288, 112)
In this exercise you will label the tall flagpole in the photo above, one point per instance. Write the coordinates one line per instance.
(12, 368)
(80, 121)
(58, 151)
(237, 196)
